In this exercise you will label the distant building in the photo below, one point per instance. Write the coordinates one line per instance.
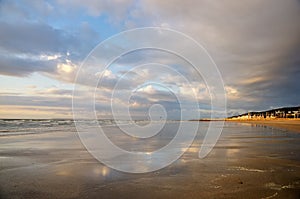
(288, 112)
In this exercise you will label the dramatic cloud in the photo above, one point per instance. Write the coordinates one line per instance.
(255, 45)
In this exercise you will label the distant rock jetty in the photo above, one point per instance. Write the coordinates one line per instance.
(287, 112)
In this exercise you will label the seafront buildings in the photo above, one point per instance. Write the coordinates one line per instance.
(287, 112)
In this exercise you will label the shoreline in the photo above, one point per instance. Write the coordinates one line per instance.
(281, 123)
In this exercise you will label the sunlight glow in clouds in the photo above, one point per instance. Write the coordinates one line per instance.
(255, 44)
(66, 68)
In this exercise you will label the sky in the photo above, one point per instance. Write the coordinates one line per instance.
(43, 44)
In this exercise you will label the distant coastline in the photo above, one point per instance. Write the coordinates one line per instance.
(287, 118)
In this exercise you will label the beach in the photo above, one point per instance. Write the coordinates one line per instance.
(281, 123)
(249, 161)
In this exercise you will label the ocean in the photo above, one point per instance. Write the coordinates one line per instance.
(33, 126)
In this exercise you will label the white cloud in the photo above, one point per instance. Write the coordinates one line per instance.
(254, 43)
(50, 57)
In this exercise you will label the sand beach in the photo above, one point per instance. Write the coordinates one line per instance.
(281, 123)
(249, 161)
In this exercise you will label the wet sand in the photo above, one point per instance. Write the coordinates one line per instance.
(284, 124)
(249, 161)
